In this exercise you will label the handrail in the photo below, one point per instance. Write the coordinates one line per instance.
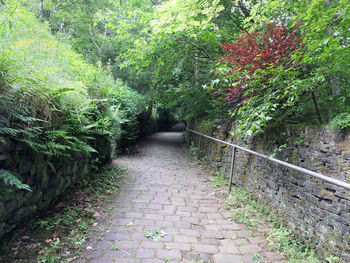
(274, 160)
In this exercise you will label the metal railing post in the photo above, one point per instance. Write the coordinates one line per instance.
(188, 137)
(233, 158)
(199, 145)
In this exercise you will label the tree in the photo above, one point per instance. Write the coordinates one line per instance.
(249, 61)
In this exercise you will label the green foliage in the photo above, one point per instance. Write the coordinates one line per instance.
(167, 50)
(341, 121)
(185, 15)
(53, 101)
(10, 179)
(323, 76)
(249, 212)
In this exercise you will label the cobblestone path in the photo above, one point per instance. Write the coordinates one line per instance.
(164, 194)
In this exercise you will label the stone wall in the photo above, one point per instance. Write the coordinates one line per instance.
(47, 183)
(318, 211)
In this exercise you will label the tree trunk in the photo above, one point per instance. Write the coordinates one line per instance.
(156, 118)
(150, 109)
(196, 69)
(42, 10)
(316, 106)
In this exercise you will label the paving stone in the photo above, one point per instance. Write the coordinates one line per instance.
(249, 249)
(92, 254)
(127, 244)
(252, 258)
(185, 239)
(190, 232)
(166, 212)
(101, 260)
(228, 246)
(126, 260)
(115, 236)
(212, 234)
(209, 241)
(180, 246)
(172, 230)
(170, 254)
(152, 244)
(152, 261)
(104, 244)
(145, 253)
(167, 238)
(140, 205)
(121, 253)
(211, 249)
(163, 224)
(229, 233)
(153, 217)
(191, 220)
(154, 206)
(199, 215)
(197, 257)
(188, 209)
(207, 209)
(257, 240)
(213, 227)
(214, 216)
(144, 222)
(133, 215)
(227, 258)
(241, 242)
(173, 218)
(226, 214)
(139, 236)
(244, 233)
(231, 226)
(183, 225)
(120, 222)
(182, 213)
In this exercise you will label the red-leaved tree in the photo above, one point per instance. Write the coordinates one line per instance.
(249, 60)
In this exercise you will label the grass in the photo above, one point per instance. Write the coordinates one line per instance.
(60, 235)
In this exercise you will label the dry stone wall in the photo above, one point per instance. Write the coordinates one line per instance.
(318, 211)
(47, 184)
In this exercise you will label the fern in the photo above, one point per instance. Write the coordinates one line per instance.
(9, 131)
(11, 179)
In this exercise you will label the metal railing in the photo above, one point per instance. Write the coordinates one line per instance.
(271, 159)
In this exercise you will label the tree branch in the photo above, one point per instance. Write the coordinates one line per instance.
(243, 8)
(200, 48)
(316, 106)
